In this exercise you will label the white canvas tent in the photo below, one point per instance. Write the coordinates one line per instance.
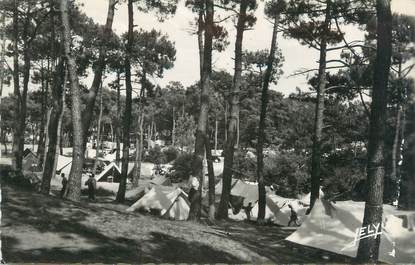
(171, 202)
(276, 209)
(64, 165)
(247, 190)
(305, 199)
(282, 212)
(333, 227)
(111, 170)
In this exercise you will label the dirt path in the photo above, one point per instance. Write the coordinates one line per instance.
(36, 228)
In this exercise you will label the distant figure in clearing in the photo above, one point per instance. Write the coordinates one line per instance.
(64, 184)
(293, 217)
(248, 210)
(92, 185)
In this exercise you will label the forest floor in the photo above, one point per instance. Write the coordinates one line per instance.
(38, 228)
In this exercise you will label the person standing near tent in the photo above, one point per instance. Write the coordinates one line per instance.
(293, 217)
(248, 210)
(194, 187)
(92, 185)
(64, 184)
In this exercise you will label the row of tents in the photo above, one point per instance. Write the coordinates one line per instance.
(331, 226)
(172, 202)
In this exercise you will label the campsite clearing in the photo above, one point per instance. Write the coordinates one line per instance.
(37, 228)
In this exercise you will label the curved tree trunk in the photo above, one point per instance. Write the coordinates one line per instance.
(98, 72)
(127, 112)
(262, 124)
(234, 115)
(319, 115)
(368, 250)
(73, 190)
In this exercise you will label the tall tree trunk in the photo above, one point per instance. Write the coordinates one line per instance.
(41, 151)
(73, 190)
(118, 129)
(23, 103)
(262, 124)
(200, 26)
(60, 134)
(319, 113)
(201, 131)
(46, 148)
(41, 143)
(2, 68)
(395, 146)
(53, 132)
(226, 120)
(211, 175)
(98, 149)
(127, 112)
(407, 185)
(216, 135)
(17, 161)
(98, 71)
(139, 135)
(234, 115)
(139, 149)
(52, 118)
(368, 250)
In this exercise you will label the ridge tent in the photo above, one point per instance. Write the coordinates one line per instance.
(247, 190)
(111, 173)
(30, 160)
(160, 180)
(333, 227)
(171, 202)
(282, 212)
(136, 193)
(276, 208)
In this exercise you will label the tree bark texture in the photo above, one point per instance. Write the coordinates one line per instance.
(73, 190)
(127, 112)
(52, 131)
(234, 115)
(407, 185)
(98, 72)
(262, 123)
(319, 114)
(368, 250)
(98, 149)
(201, 131)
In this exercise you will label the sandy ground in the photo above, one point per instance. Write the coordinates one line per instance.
(37, 228)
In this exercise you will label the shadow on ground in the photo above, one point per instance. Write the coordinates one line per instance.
(38, 228)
